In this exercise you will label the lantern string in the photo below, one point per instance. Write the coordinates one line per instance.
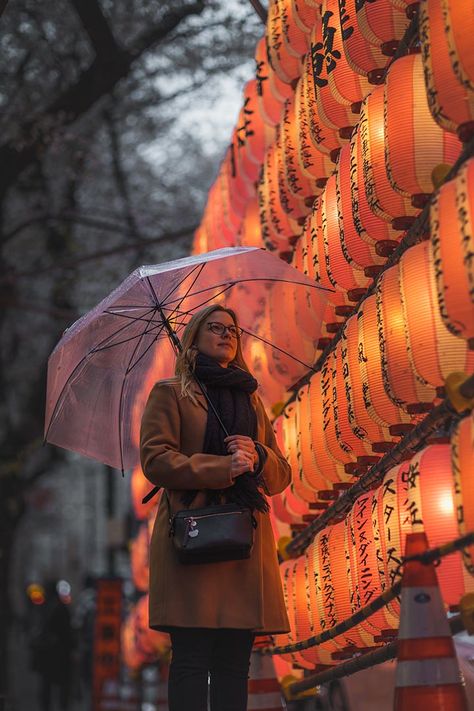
(360, 662)
(444, 413)
(426, 558)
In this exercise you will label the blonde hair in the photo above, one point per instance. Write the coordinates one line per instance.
(186, 360)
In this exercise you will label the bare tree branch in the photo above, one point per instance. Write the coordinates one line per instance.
(95, 82)
(260, 10)
(97, 28)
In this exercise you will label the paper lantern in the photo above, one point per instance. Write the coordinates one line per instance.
(257, 136)
(277, 227)
(139, 487)
(324, 138)
(462, 462)
(452, 243)
(451, 102)
(433, 351)
(362, 56)
(292, 449)
(459, 23)
(131, 656)
(308, 308)
(284, 62)
(340, 271)
(400, 382)
(357, 252)
(300, 185)
(250, 234)
(383, 200)
(337, 448)
(348, 439)
(343, 576)
(327, 609)
(381, 23)
(309, 462)
(432, 510)
(378, 404)
(369, 226)
(295, 36)
(139, 550)
(356, 388)
(271, 91)
(415, 144)
(330, 468)
(287, 569)
(347, 86)
(313, 163)
(333, 113)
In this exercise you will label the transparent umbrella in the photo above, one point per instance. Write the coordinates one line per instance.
(102, 369)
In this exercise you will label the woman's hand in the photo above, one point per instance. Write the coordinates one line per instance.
(245, 444)
(241, 463)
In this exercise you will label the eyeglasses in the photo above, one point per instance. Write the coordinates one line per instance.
(219, 329)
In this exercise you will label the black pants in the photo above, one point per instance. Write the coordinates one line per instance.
(221, 654)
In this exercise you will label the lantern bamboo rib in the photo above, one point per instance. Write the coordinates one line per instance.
(410, 444)
(430, 556)
(364, 661)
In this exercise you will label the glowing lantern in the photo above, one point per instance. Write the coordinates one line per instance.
(331, 111)
(346, 86)
(343, 574)
(257, 137)
(432, 510)
(451, 101)
(415, 144)
(369, 226)
(280, 511)
(313, 163)
(324, 138)
(286, 64)
(381, 23)
(139, 559)
(337, 448)
(433, 351)
(347, 438)
(201, 240)
(357, 252)
(459, 22)
(400, 381)
(132, 657)
(330, 468)
(452, 243)
(292, 449)
(271, 91)
(295, 37)
(340, 271)
(309, 462)
(362, 56)
(293, 204)
(462, 461)
(304, 15)
(378, 404)
(356, 388)
(366, 564)
(300, 186)
(277, 227)
(383, 200)
(250, 234)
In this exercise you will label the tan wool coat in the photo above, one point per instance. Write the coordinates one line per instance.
(242, 594)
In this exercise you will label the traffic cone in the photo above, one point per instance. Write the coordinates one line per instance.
(264, 689)
(427, 677)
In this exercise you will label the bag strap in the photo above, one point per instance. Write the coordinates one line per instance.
(156, 489)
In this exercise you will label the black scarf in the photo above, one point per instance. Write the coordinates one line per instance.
(229, 390)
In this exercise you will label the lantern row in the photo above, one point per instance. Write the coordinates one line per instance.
(352, 562)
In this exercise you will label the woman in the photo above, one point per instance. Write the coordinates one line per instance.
(212, 611)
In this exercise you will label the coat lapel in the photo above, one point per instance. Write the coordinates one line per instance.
(199, 395)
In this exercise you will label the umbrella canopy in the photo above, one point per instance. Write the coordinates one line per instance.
(104, 366)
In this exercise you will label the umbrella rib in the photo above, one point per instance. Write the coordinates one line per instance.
(74, 371)
(214, 296)
(182, 298)
(133, 318)
(127, 371)
(277, 348)
(255, 279)
(127, 340)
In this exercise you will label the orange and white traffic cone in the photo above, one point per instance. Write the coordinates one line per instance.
(427, 677)
(264, 689)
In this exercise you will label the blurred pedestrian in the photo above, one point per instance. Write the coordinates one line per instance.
(51, 651)
(212, 610)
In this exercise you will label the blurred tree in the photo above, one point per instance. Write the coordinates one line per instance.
(107, 151)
